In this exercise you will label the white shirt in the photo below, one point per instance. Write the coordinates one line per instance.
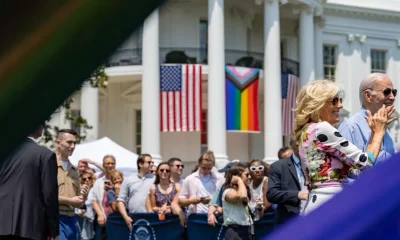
(97, 192)
(235, 213)
(256, 193)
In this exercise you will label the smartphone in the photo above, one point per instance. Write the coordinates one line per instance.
(106, 182)
(202, 198)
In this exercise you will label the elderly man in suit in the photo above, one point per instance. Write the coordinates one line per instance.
(29, 192)
(286, 186)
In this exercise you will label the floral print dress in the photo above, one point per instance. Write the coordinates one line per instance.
(327, 157)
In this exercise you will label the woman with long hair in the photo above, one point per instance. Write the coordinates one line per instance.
(238, 217)
(326, 155)
(163, 192)
(258, 188)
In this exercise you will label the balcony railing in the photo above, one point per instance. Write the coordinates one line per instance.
(127, 57)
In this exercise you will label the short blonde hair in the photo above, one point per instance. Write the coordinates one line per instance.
(310, 101)
(114, 174)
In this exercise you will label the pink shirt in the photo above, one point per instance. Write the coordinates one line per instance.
(107, 208)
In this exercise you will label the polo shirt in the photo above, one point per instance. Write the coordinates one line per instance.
(134, 191)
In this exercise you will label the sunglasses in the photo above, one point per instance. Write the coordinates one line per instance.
(386, 92)
(164, 170)
(153, 171)
(335, 101)
(259, 168)
(86, 179)
(180, 166)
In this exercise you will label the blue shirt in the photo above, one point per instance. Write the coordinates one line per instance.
(300, 174)
(111, 196)
(357, 131)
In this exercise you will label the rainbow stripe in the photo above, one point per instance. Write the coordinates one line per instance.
(242, 99)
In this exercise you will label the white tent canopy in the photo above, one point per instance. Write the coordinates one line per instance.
(96, 150)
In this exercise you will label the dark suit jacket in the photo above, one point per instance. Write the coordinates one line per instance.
(283, 189)
(29, 193)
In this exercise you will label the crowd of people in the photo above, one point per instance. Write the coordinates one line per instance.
(44, 196)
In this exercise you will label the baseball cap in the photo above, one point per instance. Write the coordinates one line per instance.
(228, 166)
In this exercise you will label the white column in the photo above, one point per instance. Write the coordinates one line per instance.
(216, 82)
(90, 110)
(151, 88)
(272, 82)
(307, 73)
(319, 55)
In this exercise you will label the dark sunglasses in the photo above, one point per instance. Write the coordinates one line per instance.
(386, 92)
(153, 171)
(180, 166)
(335, 101)
(86, 179)
(164, 170)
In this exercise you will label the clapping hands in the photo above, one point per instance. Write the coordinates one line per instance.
(379, 121)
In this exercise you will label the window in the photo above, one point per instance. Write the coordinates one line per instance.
(203, 40)
(329, 62)
(74, 125)
(203, 140)
(138, 133)
(378, 61)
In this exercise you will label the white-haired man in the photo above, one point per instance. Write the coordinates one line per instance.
(375, 91)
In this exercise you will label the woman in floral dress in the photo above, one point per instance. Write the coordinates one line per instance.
(326, 156)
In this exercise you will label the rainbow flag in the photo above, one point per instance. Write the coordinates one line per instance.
(242, 99)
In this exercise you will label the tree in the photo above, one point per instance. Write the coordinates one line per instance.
(98, 79)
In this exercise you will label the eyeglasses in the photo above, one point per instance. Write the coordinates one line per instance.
(180, 166)
(153, 171)
(259, 168)
(335, 101)
(386, 92)
(86, 179)
(149, 162)
(164, 170)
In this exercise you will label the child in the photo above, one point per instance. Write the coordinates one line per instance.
(116, 178)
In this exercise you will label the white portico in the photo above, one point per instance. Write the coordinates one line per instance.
(294, 36)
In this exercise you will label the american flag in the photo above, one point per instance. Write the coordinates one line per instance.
(290, 84)
(181, 99)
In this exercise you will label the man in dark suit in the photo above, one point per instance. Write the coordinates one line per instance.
(286, 186)
(29, 192)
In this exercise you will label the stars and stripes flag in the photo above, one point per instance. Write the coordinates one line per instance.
(180, 98)
(290, 85)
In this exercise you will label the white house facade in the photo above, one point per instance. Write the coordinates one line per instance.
(341, 40)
